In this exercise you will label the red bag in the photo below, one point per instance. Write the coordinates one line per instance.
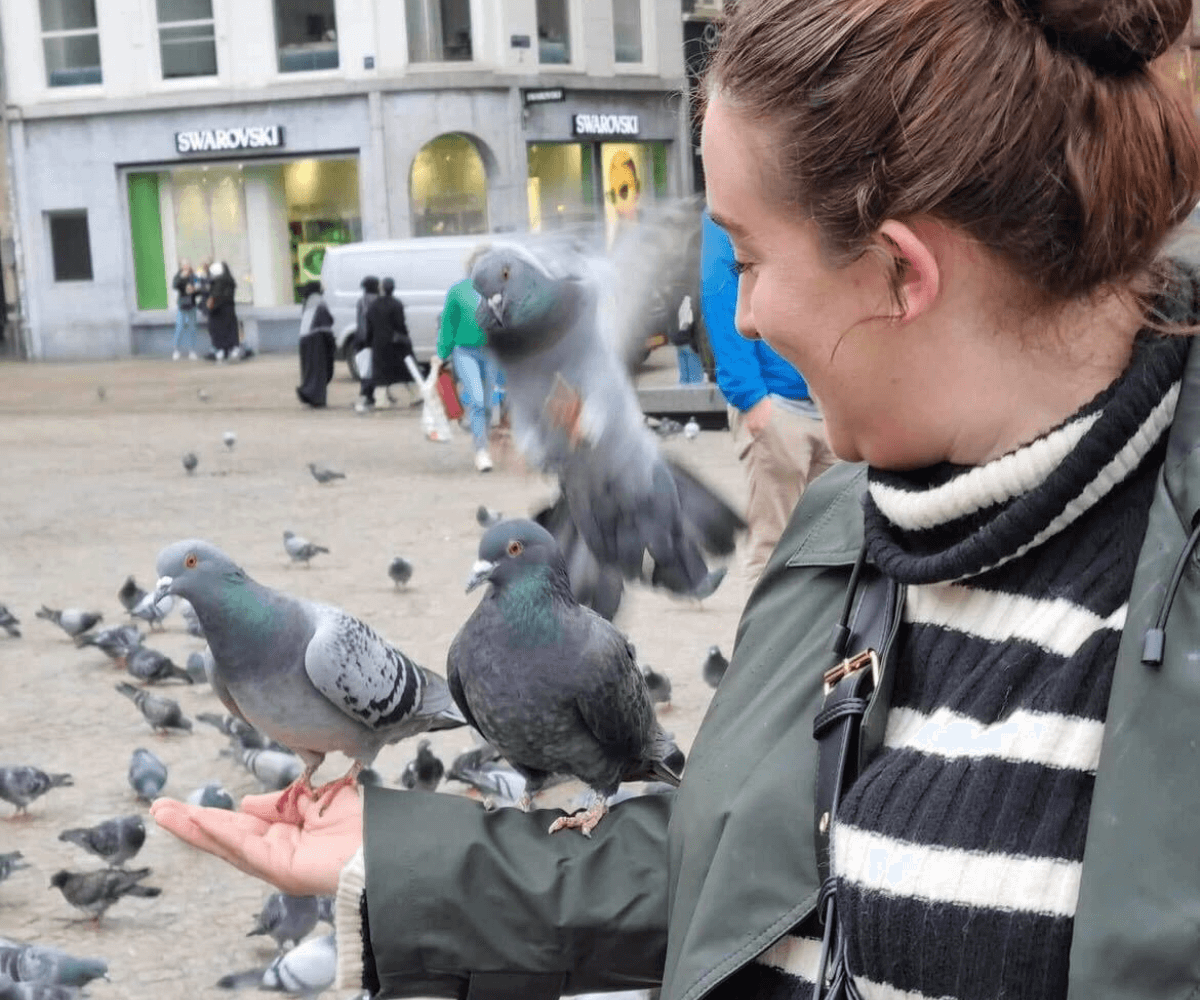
(448, 390)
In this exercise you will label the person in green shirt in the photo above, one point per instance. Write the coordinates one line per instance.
(462, 342)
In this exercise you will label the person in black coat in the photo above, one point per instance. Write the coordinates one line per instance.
(222, 316)
(317, 347)
(387, 335)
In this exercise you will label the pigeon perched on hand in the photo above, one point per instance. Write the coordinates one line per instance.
(116, 641)
(549, 683)
(9, 622)
(130, 595)
(306, 674)
(190, 461)
(147, 774)
(11, 861)
(424, 771)
(400, 571)
(151, 666)
(300, 549)
(73, 621)
(714, 667)
(324, 474)
(114, 841)
(94, 892)
(163, 714)
(21, 784)
(288, 919)
(575, 414)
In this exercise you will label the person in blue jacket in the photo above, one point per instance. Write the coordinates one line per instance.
(777, 427)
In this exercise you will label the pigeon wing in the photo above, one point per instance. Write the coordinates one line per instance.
(613, 700)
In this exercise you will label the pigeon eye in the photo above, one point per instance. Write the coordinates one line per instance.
(504, 274)
(191, 560)
(515, 548)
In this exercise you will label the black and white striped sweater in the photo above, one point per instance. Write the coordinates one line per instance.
(958, 852)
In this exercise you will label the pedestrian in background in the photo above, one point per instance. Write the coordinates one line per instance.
(777, 428)
(222, 314)
(370, 292)
(317, 347)
(387, 336)
(185, 284)
(463, 343)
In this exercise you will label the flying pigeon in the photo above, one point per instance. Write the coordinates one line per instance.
(114, 841)
(300, 549)
(548, 682)
(306, 674)
(163, 714)
(230, 439)
(424, 771)
(21, 784)
(73, 621)
(152, 609)
(151, 666)
(323, 474)
(130, 594)
(400, 571)
(9, 622)
(147, 774)
(116, 641)
(211, 796)
(94, 892)
(288, 919)
(190, 461)
(714, 667)
(10, 862)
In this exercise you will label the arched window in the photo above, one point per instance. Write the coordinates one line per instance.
(448, 188)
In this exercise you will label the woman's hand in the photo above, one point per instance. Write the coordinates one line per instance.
(302, 859)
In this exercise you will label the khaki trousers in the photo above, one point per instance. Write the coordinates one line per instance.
(780, 462)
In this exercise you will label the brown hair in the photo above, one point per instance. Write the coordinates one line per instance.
(1038, 128)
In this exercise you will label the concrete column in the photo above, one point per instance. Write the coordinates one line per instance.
(267, 226)
(374, 184)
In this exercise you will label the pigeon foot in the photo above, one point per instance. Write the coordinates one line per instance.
(585, 822)
(286, 805)
(328, 792)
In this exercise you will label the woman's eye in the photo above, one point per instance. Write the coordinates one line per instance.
(738, 267)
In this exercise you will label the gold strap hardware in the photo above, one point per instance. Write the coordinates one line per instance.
(851, 665)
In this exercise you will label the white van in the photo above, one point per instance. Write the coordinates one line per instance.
(423, 269)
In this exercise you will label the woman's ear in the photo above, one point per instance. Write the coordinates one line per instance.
(917, 272)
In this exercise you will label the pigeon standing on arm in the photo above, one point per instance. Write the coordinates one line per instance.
(308, 675)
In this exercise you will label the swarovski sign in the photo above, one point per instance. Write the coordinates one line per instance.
(215, 139)
(586, 124)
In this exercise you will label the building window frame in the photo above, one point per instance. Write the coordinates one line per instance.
(68, 266)
(431, 19)
(185, 24)
(87, 78)
(548, 54)
(642, 39)
(322, 57)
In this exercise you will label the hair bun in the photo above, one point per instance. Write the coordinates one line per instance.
(1111, 36)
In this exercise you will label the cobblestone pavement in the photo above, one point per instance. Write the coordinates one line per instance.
(91, 487)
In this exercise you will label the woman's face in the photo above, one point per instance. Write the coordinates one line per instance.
(826, 321)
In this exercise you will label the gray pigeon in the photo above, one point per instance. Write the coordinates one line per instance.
(22, 784)
(35, 963)
(288, 919)
(324, 474)
(9, 622)
(11, 862)
(306, 971)
(10, 989)
(163, 714)
(714, 667)
(153, 609)
(549, 683)
(400, 571)
(497, 783)
(114, 841)
(197, 666)
(212, 796)
(94, 892)
(244, 735)
(73, 621)
(190, 461)
(130, 594)
(276, 769)
(116, 641)
(309, 675)
(575, 414)
(300, 549)
(485, 517)
(659, 686)
(425, 771)
(191, 622)
(151, 666)
(230, 439)
(147, 774)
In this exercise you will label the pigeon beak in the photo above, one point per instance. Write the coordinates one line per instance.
(481, 571)
(496, 304)
(163, 587)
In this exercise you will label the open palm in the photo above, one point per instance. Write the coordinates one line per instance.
(301, 858)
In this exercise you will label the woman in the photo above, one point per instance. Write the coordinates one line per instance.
(947, 215)
(462, 341)
(317, 347)
(184, 284)
(222, 314)
(387, 335)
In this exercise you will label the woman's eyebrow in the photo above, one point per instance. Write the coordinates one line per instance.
(730, 227)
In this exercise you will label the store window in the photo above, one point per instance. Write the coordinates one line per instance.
(70, 247)
(438, 30)
(306, 34)
(627, 31)
(560, 186)
(269, 222)
(71, 42)
(448, 188)
(554, 31)
(633, 174)
(187, 43)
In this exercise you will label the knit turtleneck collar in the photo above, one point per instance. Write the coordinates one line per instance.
(949, 522)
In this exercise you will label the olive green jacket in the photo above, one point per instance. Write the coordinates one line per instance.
(466, 903)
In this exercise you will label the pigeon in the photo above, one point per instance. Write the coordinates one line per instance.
(163, 714)
(190, 621)
(708, 586)
(73, 621)
(9, 622)
(114, 841)
(288, 919)
(276, 769)
(151, 666)
(575, 414)
(35, 963)
(37, 990)
(306, 971)
(665, 427)
(152, 609)
(548, 682)
(306, 674)
(21, 784)
(424, 771)
(10, 862)
(130, 594)
(197, 666)
(202, 394)
(116, 641)
(190, 461)
(147, 774)
(659, 686)
(94, 892)
(486, 517)
(324, 474)
(496, 782)
(369, 776)
(101, 393)
(211, 796)
(400, 571)
(239, 730)
(691, 430)
(230, 439)
(300, 549)
(714, 668)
